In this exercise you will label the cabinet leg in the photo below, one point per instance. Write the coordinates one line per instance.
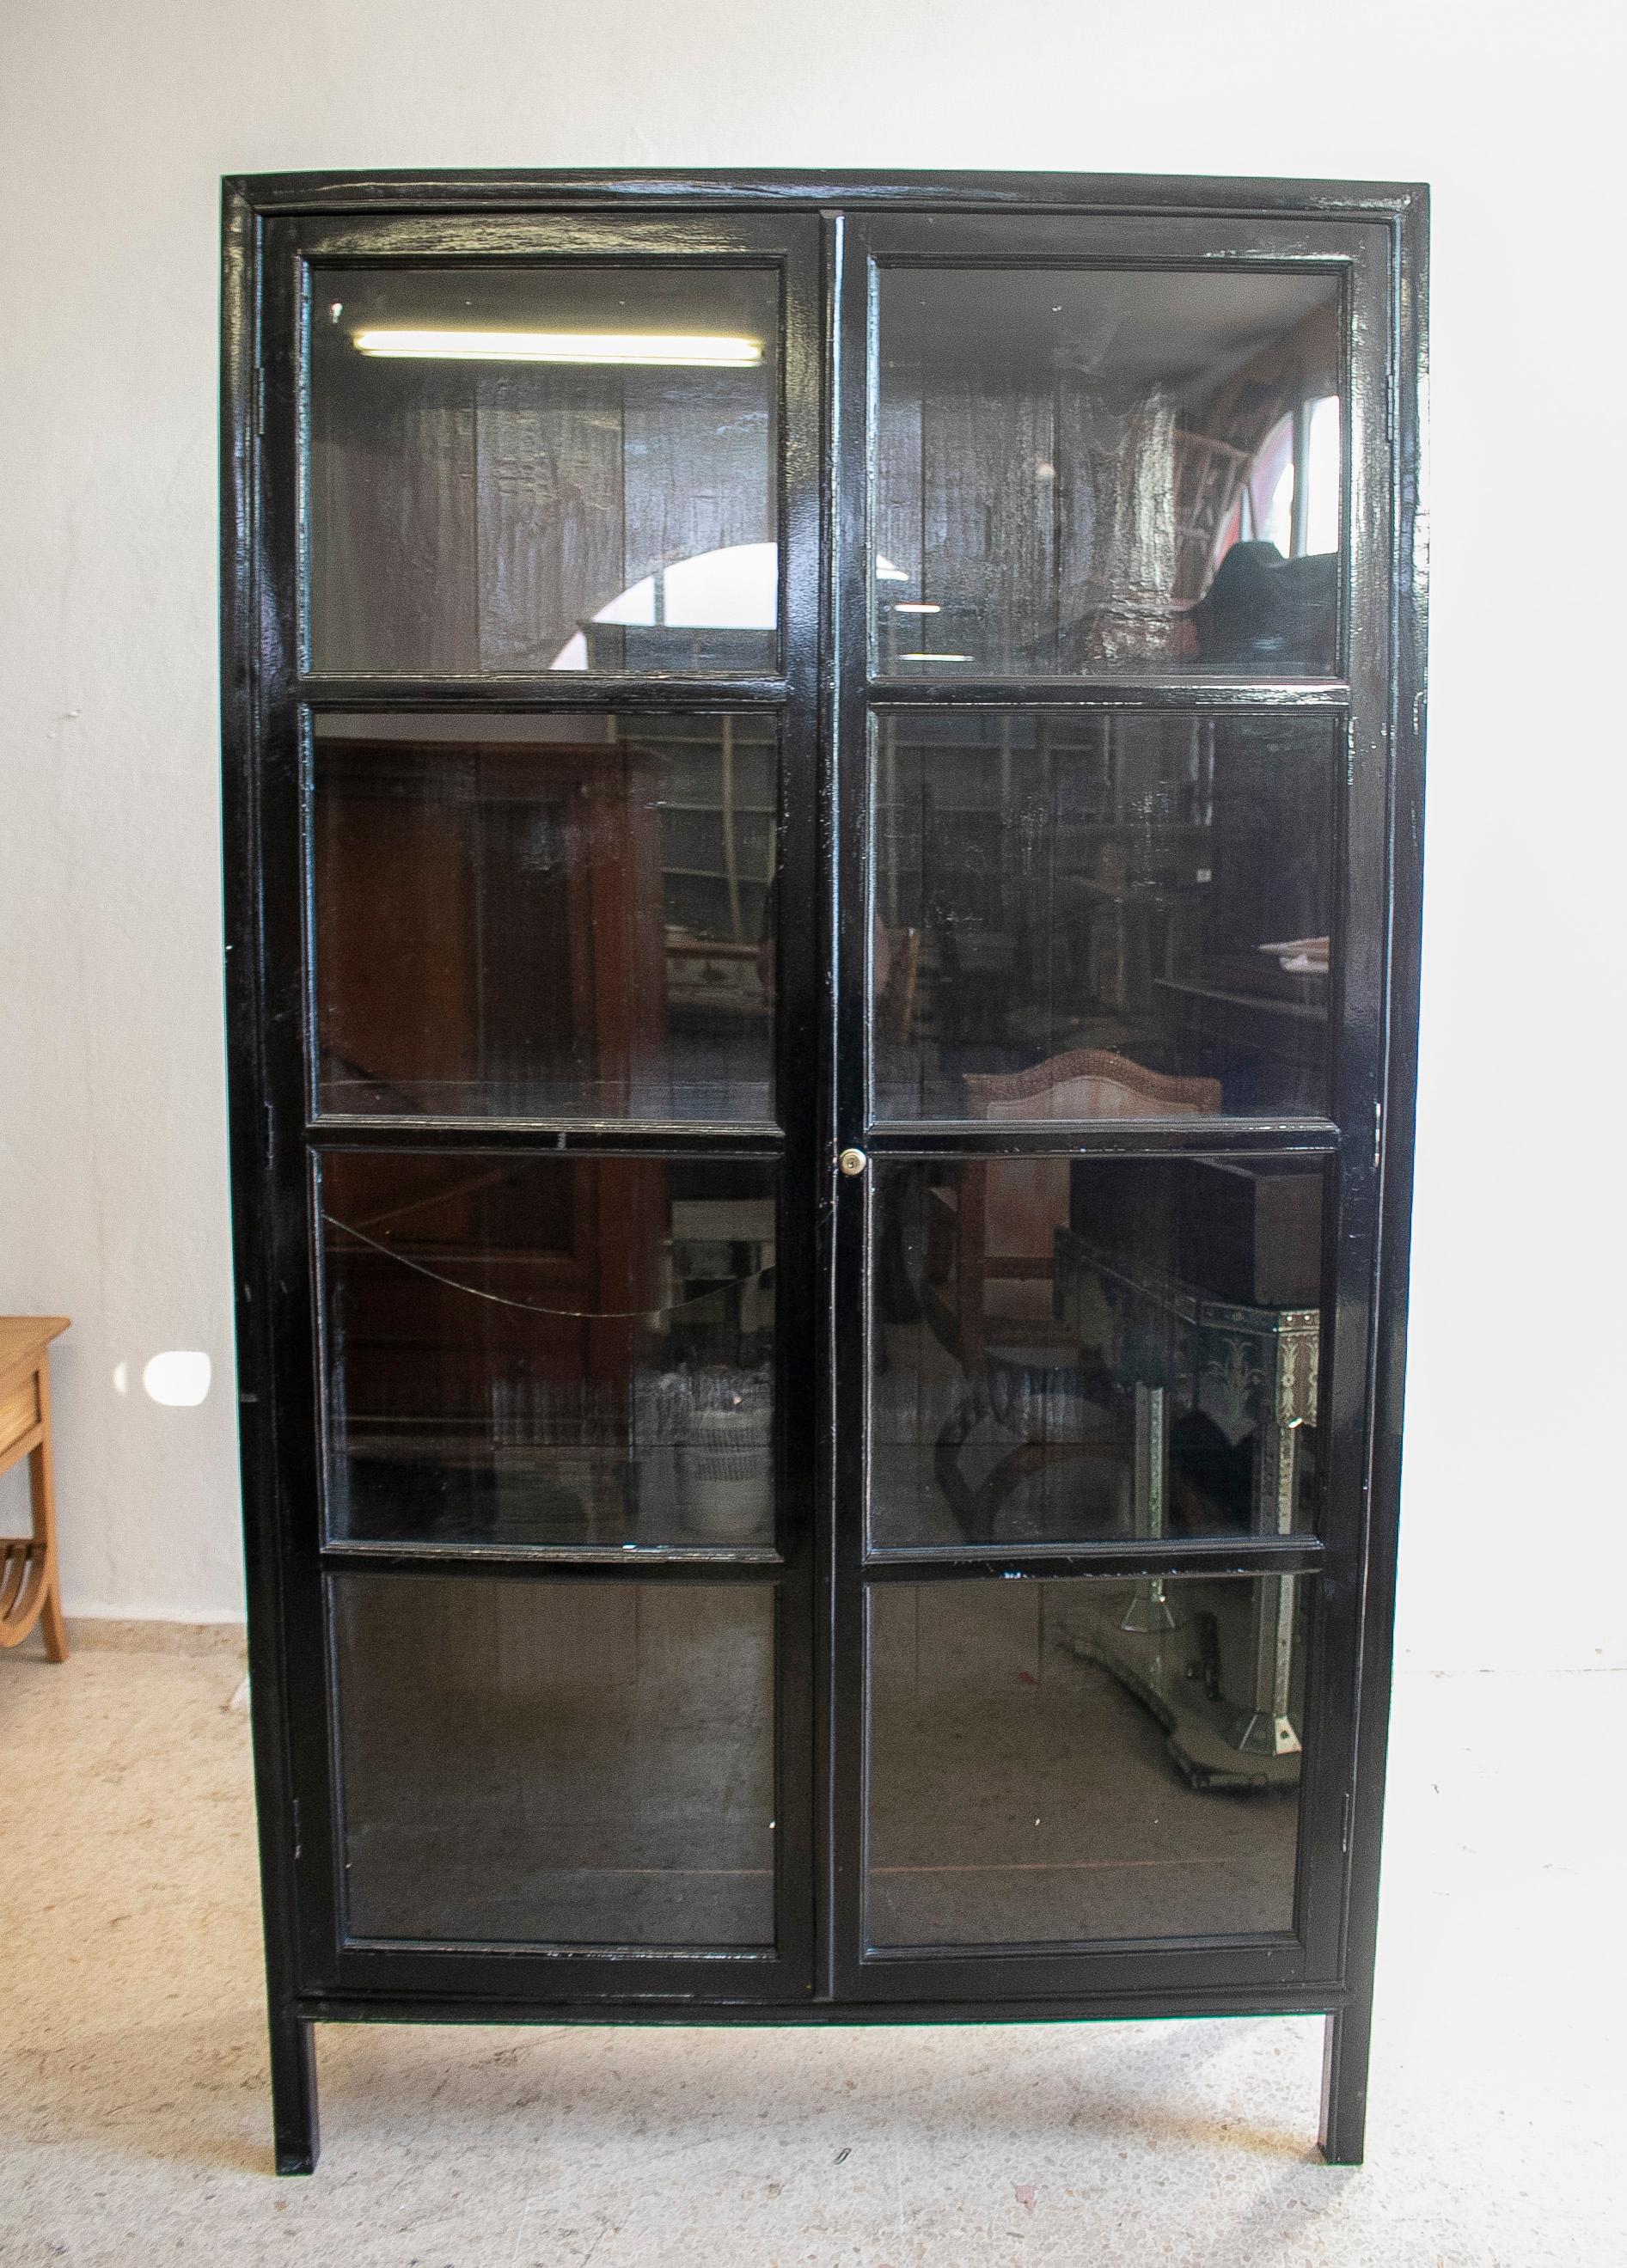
(1345, 2084)
(293, 2096)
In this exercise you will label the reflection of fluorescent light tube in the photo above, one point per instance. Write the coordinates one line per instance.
(934, 657)
(561, 346)
(915, 607)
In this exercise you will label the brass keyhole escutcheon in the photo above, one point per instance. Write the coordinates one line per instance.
(852, 1161)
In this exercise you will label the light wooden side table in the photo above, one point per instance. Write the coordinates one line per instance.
(29, 1592)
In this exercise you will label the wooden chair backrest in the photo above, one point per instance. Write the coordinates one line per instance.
(1025, 1200)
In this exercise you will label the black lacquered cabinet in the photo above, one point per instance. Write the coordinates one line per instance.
(822, 788)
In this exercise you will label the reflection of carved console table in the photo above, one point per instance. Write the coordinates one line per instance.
(1248, 1370)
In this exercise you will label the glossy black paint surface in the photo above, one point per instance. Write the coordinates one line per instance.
(1372, 237)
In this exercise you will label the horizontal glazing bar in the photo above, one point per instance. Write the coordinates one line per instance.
(631, 1563)
(615, 1955)
(1210, 1556)
(1097, 1138)
(326, 689)
(1275, 1946)
(607, 1139)
(939, 690)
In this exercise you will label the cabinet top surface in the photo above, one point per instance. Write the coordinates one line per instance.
(23, 1336)
(355, 191)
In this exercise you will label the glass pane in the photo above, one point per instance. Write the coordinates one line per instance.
(1054, 1762)
(574, 1352)
(1081, 471)
(538, 469)
(584, 1763)
(1093, 916)
(1072, 1349)
(555, 916)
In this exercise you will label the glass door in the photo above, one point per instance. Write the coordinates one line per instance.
(539, 788)
(1110, 755)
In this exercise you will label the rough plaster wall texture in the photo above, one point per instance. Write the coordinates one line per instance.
(117, 123)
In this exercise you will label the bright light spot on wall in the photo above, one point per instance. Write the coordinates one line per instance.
(120, 1378)
(179, 1379)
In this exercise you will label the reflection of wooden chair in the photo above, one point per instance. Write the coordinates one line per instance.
(998, 1226)
(997, 1229)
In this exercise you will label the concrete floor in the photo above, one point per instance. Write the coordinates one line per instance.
(133, 2113)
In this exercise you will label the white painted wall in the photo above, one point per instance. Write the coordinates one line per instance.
(118, 120)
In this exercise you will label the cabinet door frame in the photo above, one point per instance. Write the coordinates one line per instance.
(1172, 1971)
(278, 1129)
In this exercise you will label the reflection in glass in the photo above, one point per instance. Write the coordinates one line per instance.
(1049, 1763)
(1150, 892)
(532, 1353)
(1073, 1349)
(526, 1764)
(1081, 471)
(531, 469)
(545, 916)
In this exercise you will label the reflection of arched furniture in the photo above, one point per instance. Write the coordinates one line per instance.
(997, 1227)
(709, 610)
